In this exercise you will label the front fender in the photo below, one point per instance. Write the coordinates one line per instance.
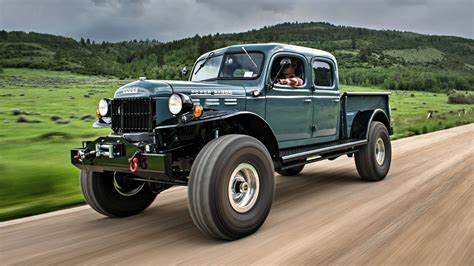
(244, 123)
(188, 119)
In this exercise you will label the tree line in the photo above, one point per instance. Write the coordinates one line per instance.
(365, 57)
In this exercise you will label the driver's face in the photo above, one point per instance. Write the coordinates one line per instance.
(289, 70)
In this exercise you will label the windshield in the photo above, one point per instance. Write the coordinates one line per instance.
(229, 66)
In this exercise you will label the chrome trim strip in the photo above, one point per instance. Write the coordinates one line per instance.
(366, 93)
(291, 90)
(325, 97)
(299, 96)
(210, 102)
(335, 92)
(288, 97)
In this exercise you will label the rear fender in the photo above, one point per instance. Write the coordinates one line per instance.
(361, 124)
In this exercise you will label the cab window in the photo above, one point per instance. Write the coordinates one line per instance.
(296, 69)
(322, 74)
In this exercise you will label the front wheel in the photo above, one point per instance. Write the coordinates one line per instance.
(231, 187)
(114, 195)
(373, 160)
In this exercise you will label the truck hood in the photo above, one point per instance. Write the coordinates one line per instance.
(156, 88)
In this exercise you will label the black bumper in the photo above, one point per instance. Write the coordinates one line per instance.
(114, 153)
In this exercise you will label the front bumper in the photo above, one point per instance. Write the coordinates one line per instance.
(114, 153)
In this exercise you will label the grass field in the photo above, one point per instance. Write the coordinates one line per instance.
(35, 173)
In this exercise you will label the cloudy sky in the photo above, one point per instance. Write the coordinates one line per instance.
(165, 20)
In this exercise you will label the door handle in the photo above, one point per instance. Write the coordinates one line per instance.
(335, 101)
(307, 100)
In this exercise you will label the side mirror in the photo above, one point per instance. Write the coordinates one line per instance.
(285, 62)
(184, 71)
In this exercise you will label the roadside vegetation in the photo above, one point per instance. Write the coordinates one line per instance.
(43, 114)
(459, 97)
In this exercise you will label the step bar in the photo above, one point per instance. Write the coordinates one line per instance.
(317, 159)
(325, 149)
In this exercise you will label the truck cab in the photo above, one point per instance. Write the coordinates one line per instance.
(225, 131)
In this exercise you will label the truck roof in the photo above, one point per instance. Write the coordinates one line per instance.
(271, 48)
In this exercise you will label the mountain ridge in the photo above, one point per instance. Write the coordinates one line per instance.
(394, 59)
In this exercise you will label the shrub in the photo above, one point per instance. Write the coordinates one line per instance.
(87, 117)
(62, 121)
(24, 119)
(55, 117)
(461, 98)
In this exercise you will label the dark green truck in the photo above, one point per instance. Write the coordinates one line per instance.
(224, 132)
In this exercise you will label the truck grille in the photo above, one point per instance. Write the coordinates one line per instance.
(133, 115)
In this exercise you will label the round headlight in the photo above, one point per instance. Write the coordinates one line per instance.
(175, 104)
(103, 107)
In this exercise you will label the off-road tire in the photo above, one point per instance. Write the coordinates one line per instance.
(365, 159)
(99, 192)
(291, 171)
(208, 196)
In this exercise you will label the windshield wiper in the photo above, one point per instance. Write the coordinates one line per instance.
(204, 62)
(251, 59)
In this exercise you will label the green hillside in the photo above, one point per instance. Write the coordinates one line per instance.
(393, 59)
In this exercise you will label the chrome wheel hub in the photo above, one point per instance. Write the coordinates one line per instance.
(126, 187)
(244, 186)
(380, 151)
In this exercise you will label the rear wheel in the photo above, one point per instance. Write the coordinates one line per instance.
(291, 171)
(231, 187)
(373, 160)
(114, 195)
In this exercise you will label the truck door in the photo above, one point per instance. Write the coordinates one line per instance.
(289, 109)
(326, 105)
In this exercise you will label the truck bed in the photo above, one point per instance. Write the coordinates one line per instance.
(354, 103)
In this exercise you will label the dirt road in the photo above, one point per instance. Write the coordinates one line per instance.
(421, 214)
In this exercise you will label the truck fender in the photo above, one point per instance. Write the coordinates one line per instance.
(255, 126)
(361, 124)
(244, 123)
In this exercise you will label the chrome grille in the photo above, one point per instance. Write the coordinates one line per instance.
(133, 115)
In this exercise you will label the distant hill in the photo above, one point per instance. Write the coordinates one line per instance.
(393, 59)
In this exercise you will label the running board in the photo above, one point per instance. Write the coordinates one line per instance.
(325, 148)
(313, 159)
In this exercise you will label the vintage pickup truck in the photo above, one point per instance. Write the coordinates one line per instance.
(224, 132)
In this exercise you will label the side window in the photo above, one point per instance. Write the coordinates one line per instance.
(293, 71)
(322, 74)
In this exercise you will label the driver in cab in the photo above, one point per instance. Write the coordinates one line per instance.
(288, 76)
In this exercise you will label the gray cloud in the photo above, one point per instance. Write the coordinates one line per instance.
(119, 2)
(116, 20)
(249, 6)
(406, 2)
